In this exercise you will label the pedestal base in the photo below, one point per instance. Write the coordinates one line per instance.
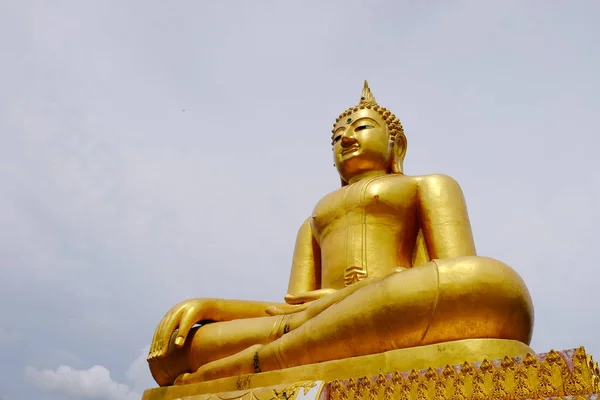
(325, 377)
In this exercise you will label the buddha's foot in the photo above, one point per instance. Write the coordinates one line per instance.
(245, 362)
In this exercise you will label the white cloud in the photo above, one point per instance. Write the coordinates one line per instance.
(92, 383)
(95, 382)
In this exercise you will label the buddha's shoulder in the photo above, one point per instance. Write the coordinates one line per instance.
(435, 180)
(408, 184)
(404, 181)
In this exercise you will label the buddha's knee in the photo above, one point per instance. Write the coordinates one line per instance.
(480, 297)
(165, 370)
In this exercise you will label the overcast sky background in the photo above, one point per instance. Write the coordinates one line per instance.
(156, 151)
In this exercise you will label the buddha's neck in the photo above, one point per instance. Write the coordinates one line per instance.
(367, 174)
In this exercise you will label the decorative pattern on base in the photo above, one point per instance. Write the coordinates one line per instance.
(570, 374)
(556, 374)
(297, 391)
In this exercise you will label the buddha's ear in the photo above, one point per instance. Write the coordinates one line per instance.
(399, 151)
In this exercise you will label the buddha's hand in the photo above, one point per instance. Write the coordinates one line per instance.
(298, 302)
(182, 318)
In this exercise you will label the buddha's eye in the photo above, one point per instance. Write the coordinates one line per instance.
(335, 139)
(360, 128)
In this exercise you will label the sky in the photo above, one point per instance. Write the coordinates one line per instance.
(152, 152)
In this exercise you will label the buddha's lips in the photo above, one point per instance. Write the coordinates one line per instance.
(350, 149)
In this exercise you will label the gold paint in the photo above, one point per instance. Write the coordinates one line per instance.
(418, 358)
(278, 392)
(467, 381)
(353, 275)
(387, 256)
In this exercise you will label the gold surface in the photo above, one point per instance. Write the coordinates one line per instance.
(385, 262)
(420, 357)
(277, 392)
(556, 374)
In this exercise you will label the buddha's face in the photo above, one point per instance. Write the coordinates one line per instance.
(361, 143)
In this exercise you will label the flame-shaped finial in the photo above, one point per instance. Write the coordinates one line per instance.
(366, 96)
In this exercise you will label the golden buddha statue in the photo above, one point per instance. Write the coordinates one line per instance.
(385, 262)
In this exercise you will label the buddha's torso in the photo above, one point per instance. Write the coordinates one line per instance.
(366, 229)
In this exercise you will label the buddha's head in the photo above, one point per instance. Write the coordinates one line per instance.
(367, 138)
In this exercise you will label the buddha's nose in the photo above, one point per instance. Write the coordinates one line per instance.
(348, 141)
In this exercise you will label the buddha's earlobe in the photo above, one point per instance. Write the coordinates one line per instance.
(399, 151)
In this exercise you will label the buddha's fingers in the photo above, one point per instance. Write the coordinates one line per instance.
(190, 317)
(312, 295)
(153, 344)
(156, 339)
(318, 306)
(284, 309)
(166, 328)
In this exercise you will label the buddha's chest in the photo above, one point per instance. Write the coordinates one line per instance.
(384, 200)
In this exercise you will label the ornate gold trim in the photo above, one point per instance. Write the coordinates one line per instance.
(564, 374)
(570, 374)
(280, 392)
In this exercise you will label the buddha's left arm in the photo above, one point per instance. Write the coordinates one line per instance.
(444, 218)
